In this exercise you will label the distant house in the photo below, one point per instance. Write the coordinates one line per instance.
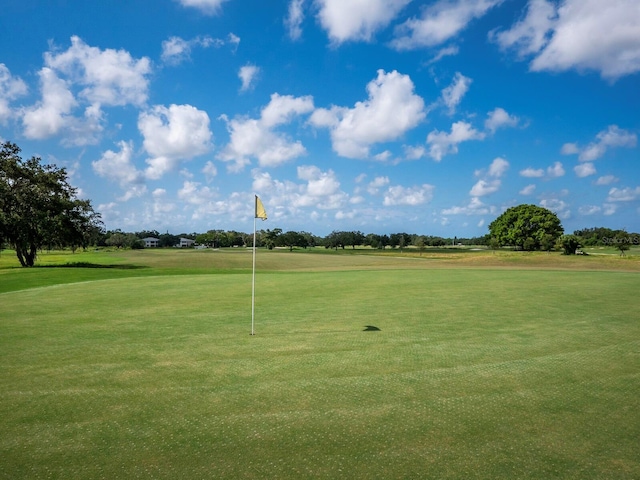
(186, 242)
(151, 242)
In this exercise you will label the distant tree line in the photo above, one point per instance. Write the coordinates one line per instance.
(272, 238)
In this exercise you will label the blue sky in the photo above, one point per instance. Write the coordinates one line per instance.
(429, 117)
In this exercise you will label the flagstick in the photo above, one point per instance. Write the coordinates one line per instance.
(253, 283)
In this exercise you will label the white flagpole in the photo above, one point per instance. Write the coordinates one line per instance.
(253, 283)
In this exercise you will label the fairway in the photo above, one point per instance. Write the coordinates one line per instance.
(468, 373)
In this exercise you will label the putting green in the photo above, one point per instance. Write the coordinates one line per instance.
(471, 373)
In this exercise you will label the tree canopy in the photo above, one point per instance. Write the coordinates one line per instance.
(39, 208)
(526, 227)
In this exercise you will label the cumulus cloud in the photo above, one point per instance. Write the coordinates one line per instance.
(584, 170)
(589, 210)
(391, 110)
(210, 171)
(532, 172)
(294, 19)
(490, 183)
(376, 184)
(452, 95)
(559, 207)
(528, 190)
(356, 20)
(320, 189)
(623, 194)
(570, 149)
(247, 75)
(176, 50)
(109, 77)
(475, 207)
(417, 195)
(51, 114)
(173, 134)
(499, 118)
(10, 88)
(443, 143)
(119, 167)
(612, 137)
(257, 138)
(84, 77)
(577, 34)
(439, 22)
(606, 180)
(208, 7)
(554, 171)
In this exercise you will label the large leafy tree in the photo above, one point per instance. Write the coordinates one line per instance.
(39, 208)
(526, 227)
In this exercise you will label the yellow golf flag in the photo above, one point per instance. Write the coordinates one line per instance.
(260, 211)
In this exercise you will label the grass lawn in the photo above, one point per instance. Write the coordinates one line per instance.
(489, 366)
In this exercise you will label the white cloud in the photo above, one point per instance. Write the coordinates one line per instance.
(498, 167)
(589, 210)
(391, 110)
(529, 35)
(559, 207)
(442, 143)
(119, 167)
(556, 170)
(528, 190)
(612, 137)
(10, 88)
(609, 208)
(452, 95)
(491, 183)
(110, 77)
(623, 194)
(444, 52)
(208, 7)
(294, 19)
(606, 180)
(532, 172)
(176, 50)
(570, 149)
(256, 137)
(321, 190)
(418, 195)
(51, 114)
(210, 171)
(475, 207)
(173, 134)
(247, 75)
(414, 152)
(484, 187)
(439, 22)
(84, 77)
(374, 186)
(499, 118)
(584, 170)
(346, 20)
(578, 34)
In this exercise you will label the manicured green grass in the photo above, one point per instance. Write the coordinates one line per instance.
(493, 372)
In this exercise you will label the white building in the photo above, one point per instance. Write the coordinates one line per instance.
(151, 242)
(186, 242)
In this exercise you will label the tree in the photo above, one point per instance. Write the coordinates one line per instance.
(569, 244)
(525, 227)
(39, 208)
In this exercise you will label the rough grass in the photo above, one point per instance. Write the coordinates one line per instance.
(474, 372)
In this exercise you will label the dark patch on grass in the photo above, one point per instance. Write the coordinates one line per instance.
(370, 328)
(125, 266)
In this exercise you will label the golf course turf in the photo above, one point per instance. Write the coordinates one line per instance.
(140, 364)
